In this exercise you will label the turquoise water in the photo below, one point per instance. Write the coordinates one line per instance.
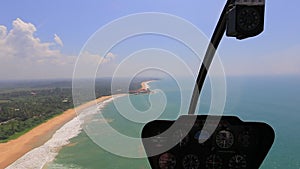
(274, 100)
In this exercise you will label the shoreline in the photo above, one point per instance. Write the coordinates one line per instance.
(15, 149)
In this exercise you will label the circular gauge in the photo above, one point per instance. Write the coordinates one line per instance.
(167, 161)
(190, 161)
(214, 162)
(248, 18)
(181, 137)
(237, 162)
(244, 139)
(224, 139)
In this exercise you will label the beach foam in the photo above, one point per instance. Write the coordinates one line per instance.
(40, 156)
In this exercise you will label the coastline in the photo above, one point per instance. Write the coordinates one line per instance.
(14, 150)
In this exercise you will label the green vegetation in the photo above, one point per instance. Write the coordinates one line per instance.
(25, 106)
(27, 109)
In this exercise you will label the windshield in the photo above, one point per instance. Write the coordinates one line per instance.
(79, 81)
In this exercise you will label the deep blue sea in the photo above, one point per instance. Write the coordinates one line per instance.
(274, 100)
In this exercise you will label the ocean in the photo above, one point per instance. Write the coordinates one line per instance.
(274, 100)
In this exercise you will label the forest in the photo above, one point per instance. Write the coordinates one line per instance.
(24, 105)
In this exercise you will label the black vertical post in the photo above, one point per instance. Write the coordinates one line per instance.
(209, 55)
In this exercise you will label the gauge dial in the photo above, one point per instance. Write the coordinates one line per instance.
(214, 162)
(248, 19)
(190, 161)
(224, 139)
(237, 162)
(181, 137)
(167, 161)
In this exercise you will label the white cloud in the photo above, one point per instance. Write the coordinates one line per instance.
(23, 55)
(20, 42)
(3, 32)
(90, 58)
(58, 40)
(90, 63)
(109, 57)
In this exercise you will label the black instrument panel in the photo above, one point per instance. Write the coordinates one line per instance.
(233, 144)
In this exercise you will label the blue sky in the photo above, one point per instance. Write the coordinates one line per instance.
(65, 26)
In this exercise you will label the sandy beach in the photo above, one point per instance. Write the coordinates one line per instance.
(14, 149)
